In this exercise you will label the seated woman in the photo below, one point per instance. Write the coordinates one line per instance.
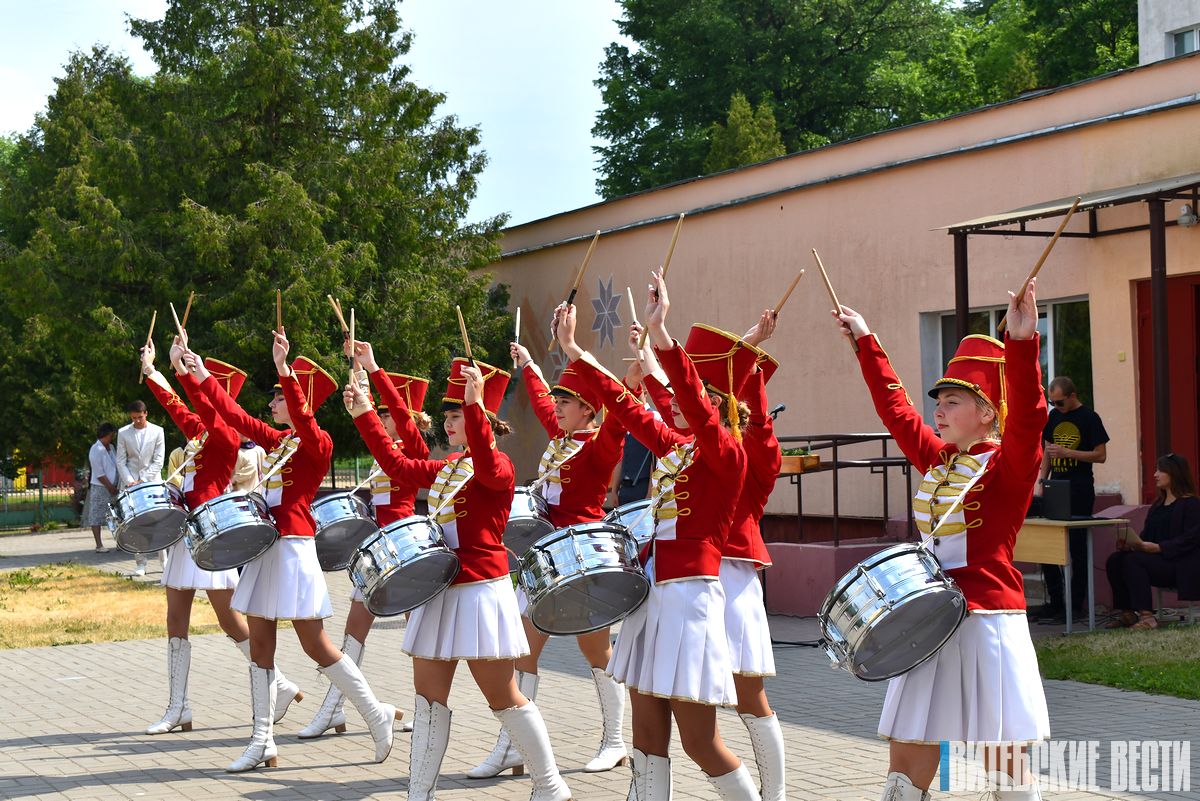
(1168, 554)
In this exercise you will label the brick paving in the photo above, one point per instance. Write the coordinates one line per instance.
(71, 719)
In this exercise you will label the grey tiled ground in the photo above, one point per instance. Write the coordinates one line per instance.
(71, 719)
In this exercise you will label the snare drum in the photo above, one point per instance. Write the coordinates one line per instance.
(148, 517)
(583, 578)
(403, 566)
(344, 521)
(889, 614)
(230, 531)
(637, 517)
(528, 520)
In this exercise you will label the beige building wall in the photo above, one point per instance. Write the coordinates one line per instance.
(874, 208)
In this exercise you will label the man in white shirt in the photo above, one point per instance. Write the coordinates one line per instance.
(102, 485)
(141, 450)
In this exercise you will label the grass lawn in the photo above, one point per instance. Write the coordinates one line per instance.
(65, 604)
(1165, 661)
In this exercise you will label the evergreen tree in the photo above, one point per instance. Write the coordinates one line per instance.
(279, 144)
(748, 135)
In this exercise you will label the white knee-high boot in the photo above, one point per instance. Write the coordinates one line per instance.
(527, 730)
(380, 718)
(179, 713)
(431, 735)
(612, 709)
(286, 691)
(736, 785)
(504, 756)
(766, 737)
(330, 715)
(900, 788)
(651, 780)
(262, 742)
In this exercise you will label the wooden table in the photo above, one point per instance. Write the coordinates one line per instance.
(1047, 542)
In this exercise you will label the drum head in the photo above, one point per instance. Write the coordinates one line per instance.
(912, 632)
(336, 542)
(590, 602)
(411, 585)
(235, 547)
(152, 530)
(521, 533)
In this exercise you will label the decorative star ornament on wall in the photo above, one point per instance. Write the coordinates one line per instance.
(606, 305)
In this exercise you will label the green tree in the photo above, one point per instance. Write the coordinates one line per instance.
(748, 135)
(816, 62)
(1082, 38)
(279, 144)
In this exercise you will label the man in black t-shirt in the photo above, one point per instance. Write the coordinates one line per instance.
(1073, 440)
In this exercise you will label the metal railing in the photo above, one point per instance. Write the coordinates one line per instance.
(836, 444)
(31, 503)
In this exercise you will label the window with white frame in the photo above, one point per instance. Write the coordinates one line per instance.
(1065, 328)
(1185, 41)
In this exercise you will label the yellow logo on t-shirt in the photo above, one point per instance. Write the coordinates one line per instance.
(1067, 435)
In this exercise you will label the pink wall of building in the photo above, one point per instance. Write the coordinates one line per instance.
(874, 209)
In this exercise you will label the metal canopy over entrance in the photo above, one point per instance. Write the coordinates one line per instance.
(1155, 195)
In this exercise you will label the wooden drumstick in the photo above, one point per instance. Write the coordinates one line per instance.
(582, 269)
(578, 281)
(462, 328)
(671, 248)
(666, 266)
(788, 294)
(149, 338)
(278, 311)
(832, 295)
(632, 308)
(337, 312)
(1046, 252)
(187, 310)
(517, 332)
(178, 325)
(351, 333)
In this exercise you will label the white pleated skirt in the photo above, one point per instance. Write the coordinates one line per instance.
(983, 686)
(285, 583)
(183, 574)
(675, 646)
(468, 621)
(356, 595)
(522, 601)
(750, 652)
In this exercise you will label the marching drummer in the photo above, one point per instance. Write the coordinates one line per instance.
(573, 475)
(286, 583)
(744, 553)
(980, 466)
(209, 458)
(476, 619)
(673, 651)
(399, 410)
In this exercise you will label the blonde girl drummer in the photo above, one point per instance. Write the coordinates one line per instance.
(401, 398)
(980, 465)
(574, 474)
(673, 652)
(286, 583)
(476, 619)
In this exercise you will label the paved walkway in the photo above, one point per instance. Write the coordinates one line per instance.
(71, 719)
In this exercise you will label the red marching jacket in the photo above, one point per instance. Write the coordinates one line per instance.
(702, 472)
(763, 459)
(473, 519)
(575, 492)
(977, 548)
(401, 497)
(291, 492)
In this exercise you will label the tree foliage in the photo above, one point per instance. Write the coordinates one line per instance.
(830, 69)
(279, 144)
(748, 135)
